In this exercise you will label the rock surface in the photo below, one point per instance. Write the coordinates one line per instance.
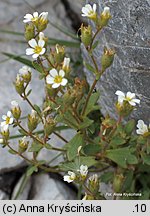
(129, 33)
(46, 188)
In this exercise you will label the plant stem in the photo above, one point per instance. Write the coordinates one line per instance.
(58, 135)
(89, 95)
(79, 192)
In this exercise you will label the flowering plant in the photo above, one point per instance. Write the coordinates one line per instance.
(101, 151)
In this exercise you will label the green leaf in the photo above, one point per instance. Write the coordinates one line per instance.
(52, 41)
(22, 132)
(91, 103)
(128, 181)
(35, 147)
(11, 32)
(146, 159)
(37, 108)
(86, 123)
(89, 67)
(122, 156)
(91, 149)
(95, 45)
(116, 141)
(48, 146)
(29, 92)
(68, 119)
(37, 66)
(19, 59)
(107, 177)
(12, 151)
(69, 166)
(88, 161)
(31, 170)
(129, 127)
(73, 146)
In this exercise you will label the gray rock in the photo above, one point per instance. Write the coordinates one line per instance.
(46, 188)
(3, 195)
(22, 188)
(128, 32)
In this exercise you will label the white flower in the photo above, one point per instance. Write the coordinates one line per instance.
(43, 17)
(56, 79)
(41, 36)
(70, 177)
(31, 18)
(89, 11)
(14, 104)
(8, 120)
(24, 70)
(37, 48)
(66, 64)
(142, 127)
(106, 11)
(83, 170)
(130, 97)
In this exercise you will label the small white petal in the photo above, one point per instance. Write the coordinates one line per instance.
(56, 85)
(49, 79)
(89, 7)
(61, 73)
(68, 179)
(41, 43)
(64, 81)
(132, 103)
(35, 56)
(136, 100)
(11, 120)
(9, 114)
(130, 95)
(43, 51)
(53, 72)
(94, 7)
(3, 124)
(29, 51)
(120, 93)
(28, 16)
(4, 117)
(35, 14)
(5, 127)
(32, 43)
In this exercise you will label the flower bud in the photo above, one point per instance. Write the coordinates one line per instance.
(124, 109)
(105, 17)
(5, 133)
(107, 58)
(29, 31)
(23, 145)
(42, 37)
(118, 182)
(32, 120)
(49, 126)
(19, 84)
(93, 183)
(86, 35)
(69, 97)
(59, 53)
(66, 65)
(42, 21)
(25, 73)
(15, 110)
